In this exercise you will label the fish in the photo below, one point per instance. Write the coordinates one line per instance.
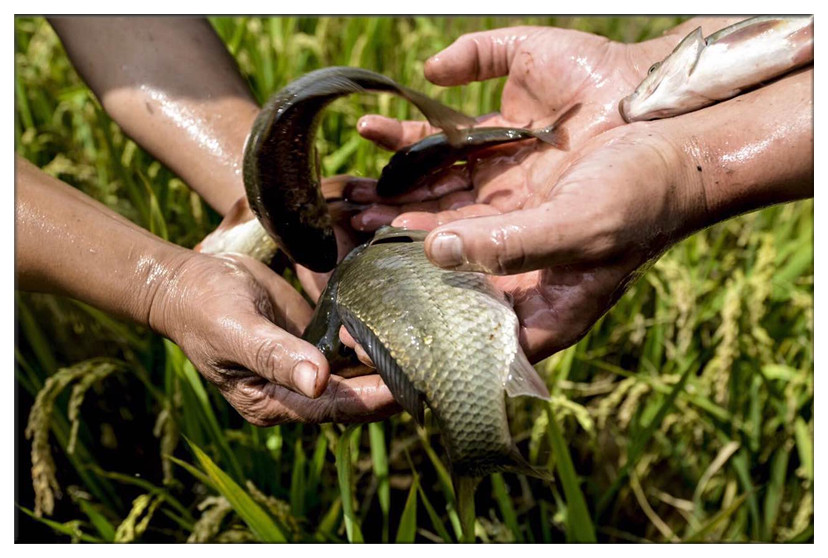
(442, 339)
(700, 72)
(280, 166)
(411, 165)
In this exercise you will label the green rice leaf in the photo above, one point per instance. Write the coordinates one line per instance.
(579, 526)
(260, 524)
(408, 521)
(344, 470)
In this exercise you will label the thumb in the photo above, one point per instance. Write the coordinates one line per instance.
(476, 56)
(278, 357)
(515, 242)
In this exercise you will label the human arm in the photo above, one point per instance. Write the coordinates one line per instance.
(234, 318)
(575, 228)
(171, 85)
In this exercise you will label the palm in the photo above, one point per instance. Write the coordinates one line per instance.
(550, 70)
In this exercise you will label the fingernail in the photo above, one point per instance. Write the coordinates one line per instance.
(362, 192)
(447, 250)
(304, 377)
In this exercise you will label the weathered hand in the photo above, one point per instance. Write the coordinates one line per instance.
(238, 323)
(549, 70)
(575, 227)
(574, 245)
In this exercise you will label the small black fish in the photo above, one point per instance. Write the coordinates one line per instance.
(281, 170)
(412, 164)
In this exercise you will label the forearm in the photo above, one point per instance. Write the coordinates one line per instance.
(173, 87)
(69, 244)
(746, 153)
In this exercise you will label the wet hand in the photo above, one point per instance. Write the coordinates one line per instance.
(239, 323)
(549, 70)
(569, 249)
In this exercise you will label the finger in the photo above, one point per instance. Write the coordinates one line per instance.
(381, 215)
(340, 186)
(476, 56)
(278, 357)
(516, 242)
(427, 221)
(392, 134)
(438, 185)
(375, 217)
(348, 340)
(346, 400)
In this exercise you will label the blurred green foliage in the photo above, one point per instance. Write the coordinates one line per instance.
(686, 414)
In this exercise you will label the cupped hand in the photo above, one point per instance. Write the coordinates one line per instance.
(571, 249)
(238, 322)
(572, 228)
(549, 71)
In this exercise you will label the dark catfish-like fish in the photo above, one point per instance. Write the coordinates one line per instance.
(281, 171)
(411, 165)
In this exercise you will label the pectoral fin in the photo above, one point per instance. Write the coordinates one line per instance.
(523, 379)
(523, 467)
(409, 397)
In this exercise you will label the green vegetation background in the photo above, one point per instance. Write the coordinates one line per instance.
(685, 414)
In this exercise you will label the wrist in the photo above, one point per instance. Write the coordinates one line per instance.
(747, 153)
(163, 284)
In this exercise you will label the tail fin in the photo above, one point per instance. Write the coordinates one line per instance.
(554, 134)
(439, 115)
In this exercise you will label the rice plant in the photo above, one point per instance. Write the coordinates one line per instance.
(686, 414)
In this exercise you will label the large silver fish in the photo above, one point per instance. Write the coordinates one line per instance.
(443, 339)
(700, 72)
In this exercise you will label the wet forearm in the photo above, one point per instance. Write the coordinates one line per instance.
(69, 244)
(749, 152)
(173, 87)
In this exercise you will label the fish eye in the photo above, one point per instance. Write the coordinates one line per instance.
(653, 68)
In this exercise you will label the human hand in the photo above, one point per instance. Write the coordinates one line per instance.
(576, 227)
(574, 246)
(549, 70)
(239, 323)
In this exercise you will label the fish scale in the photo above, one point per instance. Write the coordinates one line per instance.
(452, 337)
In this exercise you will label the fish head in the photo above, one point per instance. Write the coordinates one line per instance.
(660, 93)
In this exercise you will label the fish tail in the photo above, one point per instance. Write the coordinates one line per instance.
(439, 115)
(554, 134)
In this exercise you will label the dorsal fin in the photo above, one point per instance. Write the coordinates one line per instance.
(389, 234)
